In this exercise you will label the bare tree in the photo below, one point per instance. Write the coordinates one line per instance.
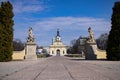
(18, 45)
(102, 41)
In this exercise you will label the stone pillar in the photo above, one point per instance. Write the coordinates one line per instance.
(90, 49)
(30, 51)
(90, 46)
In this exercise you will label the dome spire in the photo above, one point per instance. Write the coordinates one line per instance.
(58, 32)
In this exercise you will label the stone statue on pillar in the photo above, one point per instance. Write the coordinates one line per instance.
(90, 46)
(30, 36)
(30, 46)
(91, 35)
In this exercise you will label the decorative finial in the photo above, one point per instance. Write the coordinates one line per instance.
(58, 33)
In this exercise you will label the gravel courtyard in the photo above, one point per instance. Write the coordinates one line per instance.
(60, 68)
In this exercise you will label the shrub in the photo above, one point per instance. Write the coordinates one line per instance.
(74, 55)
(43, 55)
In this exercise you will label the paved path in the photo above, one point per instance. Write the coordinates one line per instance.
(60, 68)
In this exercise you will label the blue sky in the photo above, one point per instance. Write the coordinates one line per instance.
(72, 17)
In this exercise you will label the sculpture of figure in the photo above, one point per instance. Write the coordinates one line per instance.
(30, 36)
(91, 35)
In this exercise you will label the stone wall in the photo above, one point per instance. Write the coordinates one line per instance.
(92, 52)
(101, 54)
(18, 55)
(30, 50)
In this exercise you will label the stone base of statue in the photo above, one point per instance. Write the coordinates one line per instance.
(90, 48)
(30, 51)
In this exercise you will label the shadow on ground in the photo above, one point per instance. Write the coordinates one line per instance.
(79, 59)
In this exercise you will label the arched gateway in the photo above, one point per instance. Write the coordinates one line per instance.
(57, 48)
(58, 52)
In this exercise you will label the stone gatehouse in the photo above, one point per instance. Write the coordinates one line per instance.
(57, 48)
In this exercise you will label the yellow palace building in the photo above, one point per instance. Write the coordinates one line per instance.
(57, 48)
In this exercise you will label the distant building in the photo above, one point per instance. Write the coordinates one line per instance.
(57, 48)
(46, 48)
(39, 51)
(82, 44)
(42, 50)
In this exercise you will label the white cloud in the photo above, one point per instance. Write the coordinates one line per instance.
(73, 23)
(71, 28)
(28, 6)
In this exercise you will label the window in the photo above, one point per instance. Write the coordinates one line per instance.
(63, 52)
(52, 52)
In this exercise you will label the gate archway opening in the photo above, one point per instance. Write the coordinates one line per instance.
(58, 52)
